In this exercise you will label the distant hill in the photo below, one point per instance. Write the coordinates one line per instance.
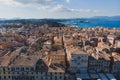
(39, 22)
(106, 17)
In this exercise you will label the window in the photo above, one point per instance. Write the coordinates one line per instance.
(60, 73)
(32, 78)
(78, 63)
(13, 69)
(8, 72)
(36, 72)
(8, 68)
(60, 77)
(41, 78)
(22, 73)
(4, 72)
(78, 57)
(17, 72)
(27, 68)
(3, 69)
(36, 76)
(32, 69)
(55, 73)
(4, 77)
(41, 73)
(17, 68)
(22, 69)
(12, 72)
(31, 72)
(9, 77)
(55, 77)
(50, 77)
(50, 74)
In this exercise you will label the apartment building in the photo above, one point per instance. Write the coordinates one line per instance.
(99, 62)
(79, 60)
(116, 63)
(19, 66)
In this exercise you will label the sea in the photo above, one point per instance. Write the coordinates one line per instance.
(93, 23)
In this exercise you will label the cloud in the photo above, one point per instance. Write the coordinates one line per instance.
(42, 2)
(48, 5)
(28, 2)
(57, 8)
(61, 8)
(10, 2)
(67, 1)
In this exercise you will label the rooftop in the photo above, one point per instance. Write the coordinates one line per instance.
(56, 67)
(4, 61)
(58, 52)
(105, 56)
(76, 50)
(23, 60)
(102, 55)
(116, 56)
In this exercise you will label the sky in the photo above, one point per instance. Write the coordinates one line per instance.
(58, 8)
